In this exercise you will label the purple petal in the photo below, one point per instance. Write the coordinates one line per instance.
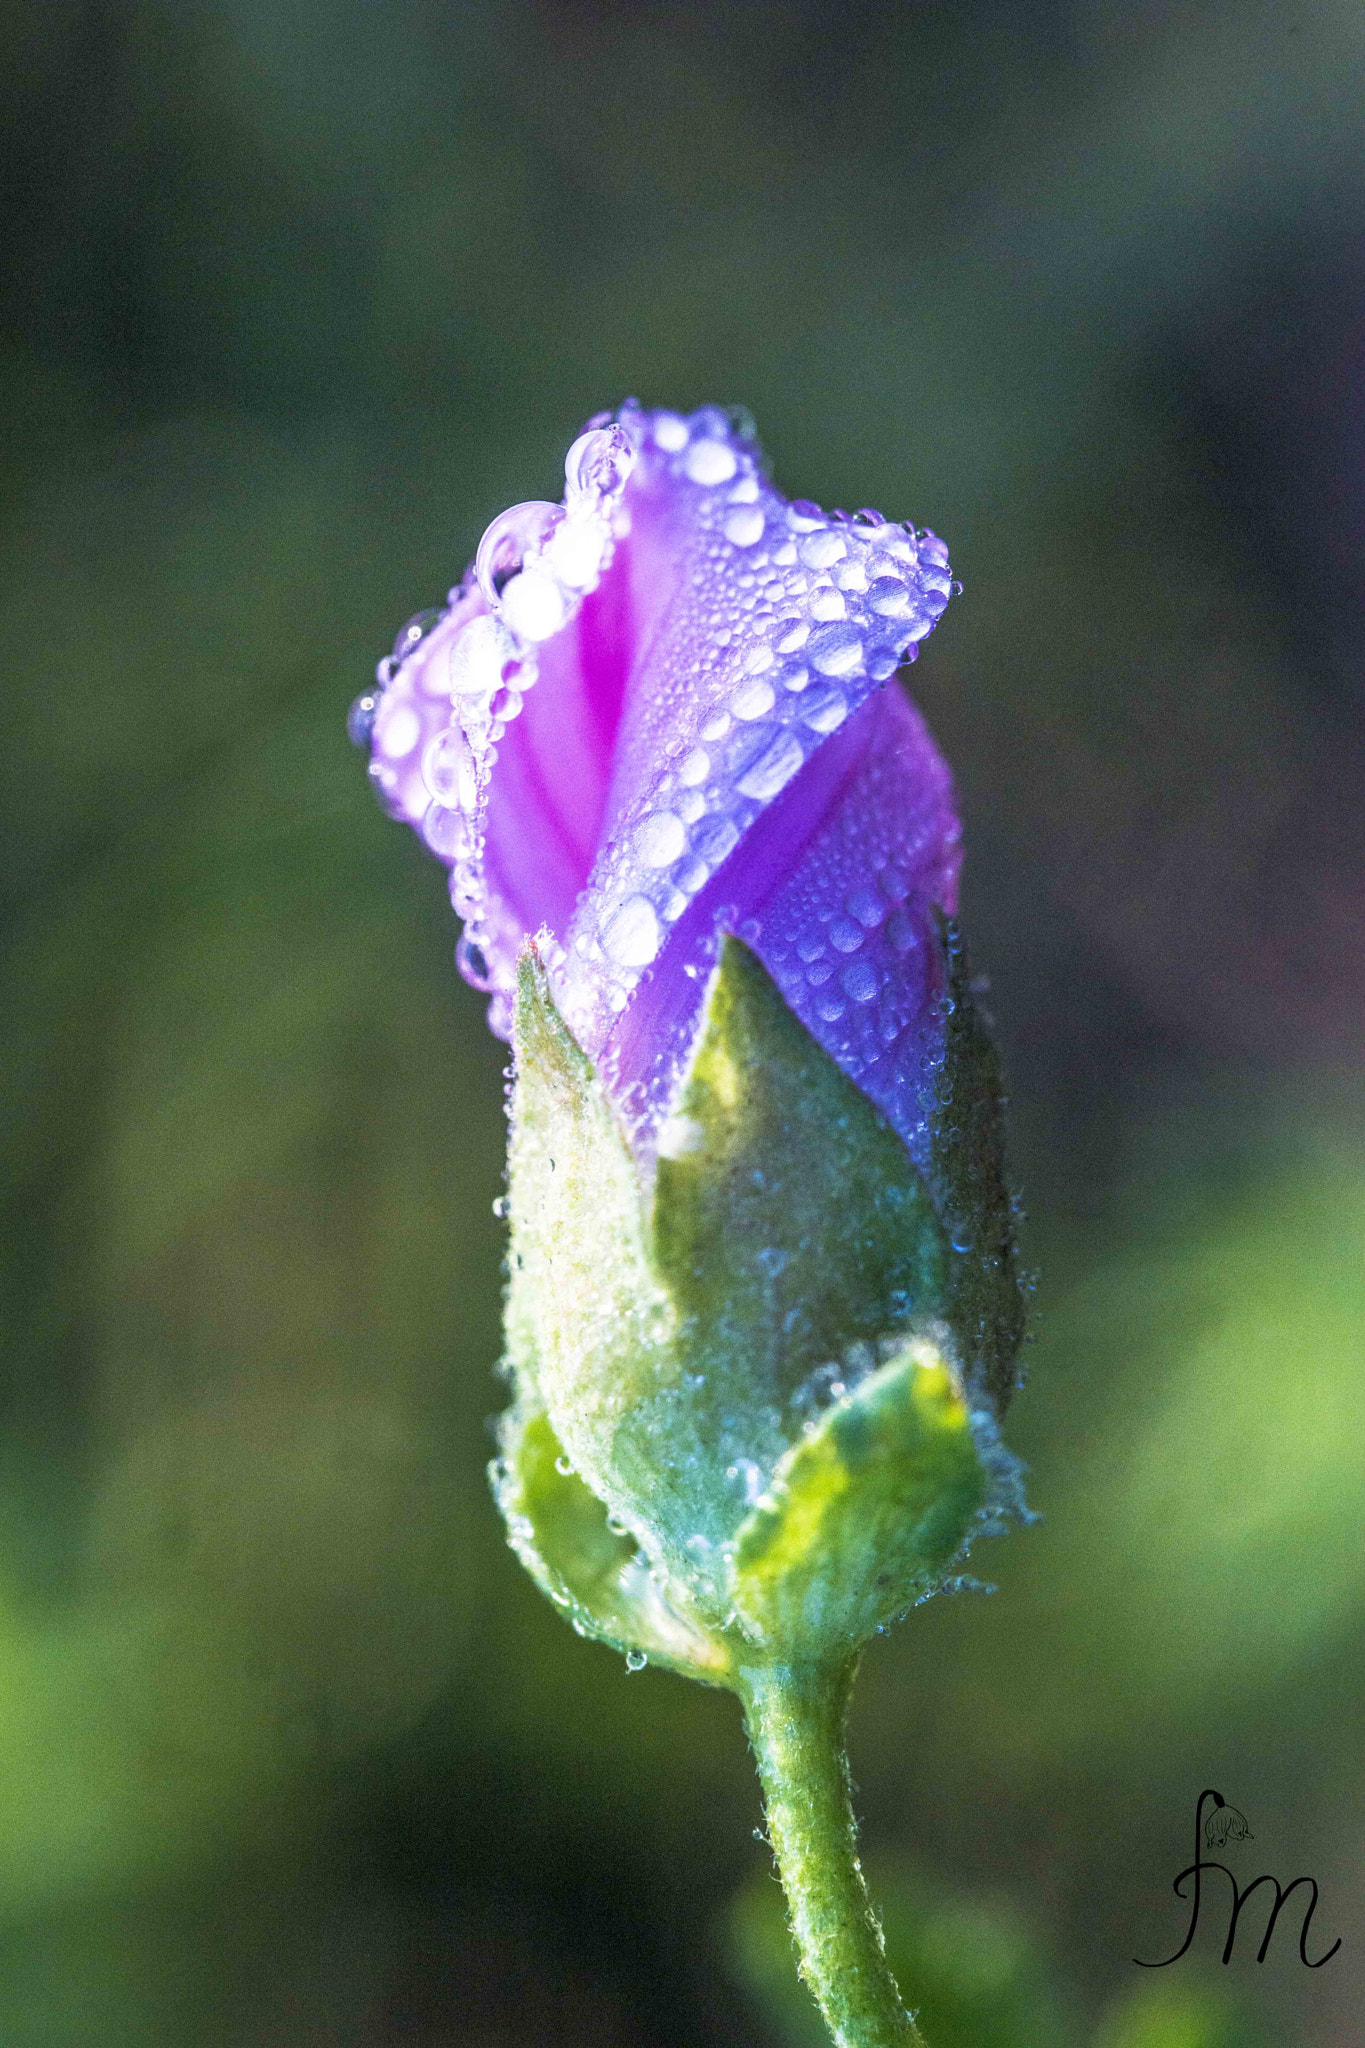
(835, 890)
(655, 697)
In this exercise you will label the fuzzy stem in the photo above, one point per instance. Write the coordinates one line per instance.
(795, 1717)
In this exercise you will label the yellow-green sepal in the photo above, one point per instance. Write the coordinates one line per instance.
(866, 1514)
(596, 1574)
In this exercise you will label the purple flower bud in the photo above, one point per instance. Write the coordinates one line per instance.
(656, 713)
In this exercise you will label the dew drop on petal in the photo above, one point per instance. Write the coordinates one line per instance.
(820, 550)
(744, 526)
(448, 769)
(774, 768)
(574, 554)
(710, 462)
(631, 935)
(825, 710)
(598, 463)
(826, 603)
(397, 730)
(472, 962)
(791, 634)
(413, 632)
(516, 533)
(836, 649)
(533, 605)
(695, 768)
(754, 700)
(659, 839)
(360, 718)
(477, 658)
(715, 839)
(859, 981)
(443, 830)
(890, 599)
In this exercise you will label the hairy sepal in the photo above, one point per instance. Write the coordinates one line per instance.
(762, 1443)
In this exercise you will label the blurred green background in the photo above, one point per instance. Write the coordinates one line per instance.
(294, 298)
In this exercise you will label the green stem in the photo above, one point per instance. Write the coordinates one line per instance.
(796, 1725)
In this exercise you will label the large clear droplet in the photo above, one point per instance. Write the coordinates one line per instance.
(448, 770)
(598, 463)
(631, 935)
(520, 531)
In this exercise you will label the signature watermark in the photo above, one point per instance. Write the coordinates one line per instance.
(1223, 1824)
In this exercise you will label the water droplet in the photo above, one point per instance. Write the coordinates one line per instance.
(755, 700)
(533, 605)
(413, 632)
(500, 1206)
(826, 603)
(791, 634)
(859, 981)
(835, 649)
(774, 768)
(520, 531)
(360, 718)
(636, 1660)
(824, 710)
(821, 550)
(397, 729)
(867, 906)
(631, 936)
(715, 839)
(478, 656)
(472, 962)
(890, 599)
(744, 526)
(448, 769)
(598, 463)
(710, 462)
(444, 831)
(670, 432)
(695, 768)
(659, 839)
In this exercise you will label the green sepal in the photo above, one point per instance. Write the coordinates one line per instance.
(588, 1325)
(790, 1227)
(792, 1221)
(673, 1337)
(867, 1513)
(561, 1532)
(984, 1302)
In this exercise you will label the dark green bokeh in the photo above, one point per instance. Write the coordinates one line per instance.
(293, 300)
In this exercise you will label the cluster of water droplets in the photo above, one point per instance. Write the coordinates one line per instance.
(457, 677)
(781, 622)
(785, 620)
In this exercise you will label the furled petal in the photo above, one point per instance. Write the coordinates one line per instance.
(835, 890)
(650, 714)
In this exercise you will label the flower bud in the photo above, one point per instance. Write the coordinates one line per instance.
(763, 1306)
(756, 1390)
